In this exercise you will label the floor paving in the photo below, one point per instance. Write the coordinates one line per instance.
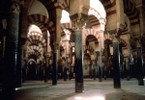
(93, 90)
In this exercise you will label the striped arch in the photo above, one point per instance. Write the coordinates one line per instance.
(34, 48)
(126, 29)
(62, 4)
(89, 49)
(95, 16)
(36, 40)
(90, 32)
(42, 22)
(125, 34)
(93, 20)
(110, 6)
(93, 32)
(122, 43)
(131, 11)
(35, 44)
(107, 37)
(31, 60)
(32, 56)
(35, 52)
(65, 25)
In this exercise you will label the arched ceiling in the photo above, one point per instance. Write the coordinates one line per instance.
(34, 28)
(38, 8)
(131, 11)
(48, 6)
(91, 38)
(39, 16)
(109, 6)
(43, 14)
(99, 8)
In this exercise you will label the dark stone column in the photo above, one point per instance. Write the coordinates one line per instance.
(121, 61)
(55, 66)
(1, 43)
(107, 60)
(19, 54)
(1, 55)
(11, 53)
(78, 63)
(127, 68)
(19, 65)
(100, 66)
(116, 64)
(107, 50)
(140, 66)
(131, 63)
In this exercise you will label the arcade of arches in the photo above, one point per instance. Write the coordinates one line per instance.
(64, 39)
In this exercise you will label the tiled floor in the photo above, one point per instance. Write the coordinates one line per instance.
(93, 90)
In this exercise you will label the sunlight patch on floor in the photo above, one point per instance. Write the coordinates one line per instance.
(99, 97)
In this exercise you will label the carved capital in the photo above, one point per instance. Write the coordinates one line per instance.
(78, 24)
(78, 21)
(15, 7)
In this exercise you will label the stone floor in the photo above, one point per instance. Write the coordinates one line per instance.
(93, 90)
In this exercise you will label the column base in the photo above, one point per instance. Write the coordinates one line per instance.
(54, 82)
(117, 81)
(140, 82)
(117, 86)
(79, 87)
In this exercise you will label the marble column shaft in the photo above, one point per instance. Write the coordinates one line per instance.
(78, 62)
(140, 66)
(116, 64)
(55, 65)
(12, 54)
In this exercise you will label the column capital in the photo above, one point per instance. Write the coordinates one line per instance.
(78, 24)
(15, 7)
(78, 21)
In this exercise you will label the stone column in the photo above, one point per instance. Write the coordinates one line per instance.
(47, 54)
(116, 63)
(130, 65)
(127, 68)
(140, 65)
(78, 20)
(121, 60)
(67, 48)
(107, 54)
(100, 64)
(67, 39)
(55, 65)
(2, 45)
(11, 56)
(79, 87)
(107, 49)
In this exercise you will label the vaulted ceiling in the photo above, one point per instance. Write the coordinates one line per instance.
(130, 10)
